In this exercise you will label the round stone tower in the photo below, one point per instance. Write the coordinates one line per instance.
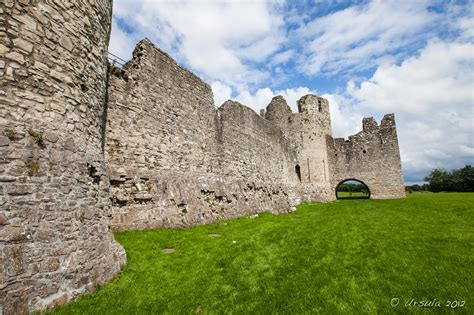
(55, 242)
(307, 131)
(314, 125)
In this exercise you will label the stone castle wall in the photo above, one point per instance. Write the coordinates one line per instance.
(175, 159)
(55, 241)
(371, 156)
(86, 148)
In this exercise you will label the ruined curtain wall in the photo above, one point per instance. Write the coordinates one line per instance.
(55, 241)
(251, 148)
(371, 156)
(175, 159)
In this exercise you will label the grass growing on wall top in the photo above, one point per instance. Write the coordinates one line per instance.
(350, 256)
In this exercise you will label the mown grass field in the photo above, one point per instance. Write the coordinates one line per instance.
(352, 195)
(343, 257)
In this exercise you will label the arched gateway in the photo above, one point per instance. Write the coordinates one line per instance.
(352, 188)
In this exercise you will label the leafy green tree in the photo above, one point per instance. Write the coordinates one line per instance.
(466, 175)
(438, 179)
(457, 180)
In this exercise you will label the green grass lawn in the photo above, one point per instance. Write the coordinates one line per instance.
(343, 257)
(352, 195)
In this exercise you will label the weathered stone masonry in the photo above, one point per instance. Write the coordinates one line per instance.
(154, 151)
(371, 156)
(175, 159)
(55, 241)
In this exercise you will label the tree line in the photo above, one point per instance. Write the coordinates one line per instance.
(353, 187)
(460, 180)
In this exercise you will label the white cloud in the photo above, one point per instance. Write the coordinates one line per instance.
(432, 95)
(221, 91)
(121, 43)
(236, 45)
(440, 77)
(282, 57)
(345, 121)
(262, 97)
(292, 95)
(466, 25)
(218, 39)
(353, 38)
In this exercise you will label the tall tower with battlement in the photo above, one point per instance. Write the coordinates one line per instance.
(313, 125)
(306, 131)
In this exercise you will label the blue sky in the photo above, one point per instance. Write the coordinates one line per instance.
(368, 58)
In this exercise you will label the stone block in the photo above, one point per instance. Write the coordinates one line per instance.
(7, 178)
(23, 44)
(19, 190)
(4, 141)
(9, 233)
(44, 235)
(142, 196)
(51, 264)
(3, 219)
(60, 76)
(40, 66)
(15, 56)
(66, 43)
(51, 136)
(4, 49)
(14, 263)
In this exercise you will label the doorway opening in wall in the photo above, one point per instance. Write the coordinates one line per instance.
(298, 172)
(352, 189)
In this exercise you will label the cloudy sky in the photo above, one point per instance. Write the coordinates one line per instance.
(368, 58)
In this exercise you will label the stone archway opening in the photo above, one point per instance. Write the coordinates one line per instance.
(352, 188)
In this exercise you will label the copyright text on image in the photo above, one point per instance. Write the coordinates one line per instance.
(431, 303)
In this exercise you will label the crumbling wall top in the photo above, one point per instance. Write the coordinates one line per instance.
(149, 61)
(369, 124)
(311, 103)
(370, 128)
(388, 121)
(278, 108)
